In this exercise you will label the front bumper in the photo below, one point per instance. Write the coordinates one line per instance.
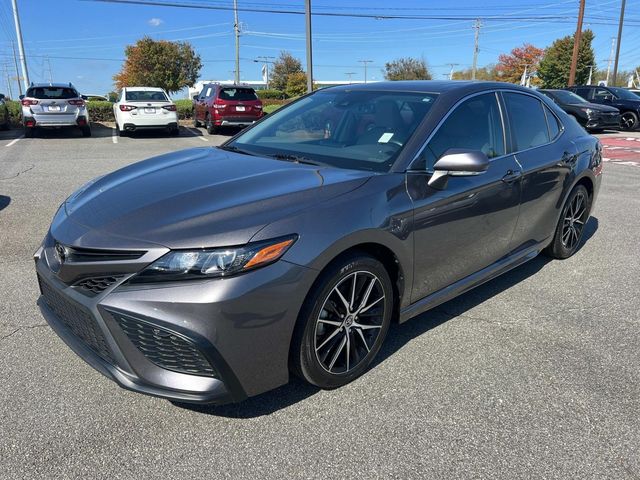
(611, 121)
(241, 326)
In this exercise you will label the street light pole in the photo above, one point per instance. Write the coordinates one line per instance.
(309, 48)
(23, 60)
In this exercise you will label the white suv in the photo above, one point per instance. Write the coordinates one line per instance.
(54, 105)
(145, 108)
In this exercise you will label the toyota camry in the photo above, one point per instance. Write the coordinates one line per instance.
(213, 274)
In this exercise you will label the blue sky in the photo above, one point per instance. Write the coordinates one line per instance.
(84, 40)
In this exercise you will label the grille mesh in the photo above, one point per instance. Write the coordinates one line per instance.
(164, 348)
(96, 285)
(77, 320)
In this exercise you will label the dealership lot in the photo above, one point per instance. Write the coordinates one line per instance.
(535, 374)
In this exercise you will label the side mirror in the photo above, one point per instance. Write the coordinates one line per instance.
(195, 97)
(458, 162)
(21, 97)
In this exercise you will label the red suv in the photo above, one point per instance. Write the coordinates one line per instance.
(226, 106)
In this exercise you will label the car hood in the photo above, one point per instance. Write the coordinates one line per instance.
(597, 107)
(204, 197)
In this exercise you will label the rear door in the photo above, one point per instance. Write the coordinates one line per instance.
(545, 157)
(468, 225)
(202, 100)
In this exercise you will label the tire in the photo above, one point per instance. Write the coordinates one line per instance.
(196, 123)
(570, 228)
(174, 132)
(332, 346)
(29, 132)
(629, 121)
(86, 131)
(211, 128)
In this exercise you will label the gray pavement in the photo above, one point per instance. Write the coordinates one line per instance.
(533, 375)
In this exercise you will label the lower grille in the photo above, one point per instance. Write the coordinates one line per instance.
(96, 285)
(164, 348)
(77, 320)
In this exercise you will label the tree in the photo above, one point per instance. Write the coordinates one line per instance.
(407, 68)
(483, 73)
(511, 66)
(164, 64)
(285, 65)
(556, 62)
(296, 84)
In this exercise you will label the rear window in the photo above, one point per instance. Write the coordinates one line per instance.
(145, 96)
(240, 94)
(45, 93)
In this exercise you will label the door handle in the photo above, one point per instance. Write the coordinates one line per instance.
(511, 176)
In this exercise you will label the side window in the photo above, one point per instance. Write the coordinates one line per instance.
(583, 92)
(527, 120)
(475, 124)
(552, 121)
(602, 93)
(207, 92)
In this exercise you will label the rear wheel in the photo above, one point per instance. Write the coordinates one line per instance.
(196, 123)
(629, 121)
(120, 132)
(343, 322)
(570, 229)
(86, 131)
(29, 132)
(211, 128)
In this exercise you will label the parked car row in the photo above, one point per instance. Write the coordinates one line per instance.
(599, 107)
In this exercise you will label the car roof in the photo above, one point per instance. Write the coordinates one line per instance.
(461, 87)
(54, 85)
(145, 89)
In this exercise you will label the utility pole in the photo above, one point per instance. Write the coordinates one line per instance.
(590, 74)
(615, 64)
(15, 61)
(309, 47)
(236, 29)
(613, 46)
(476, 48)
(49, 68)
(523, 79)
(23, 60)
(451, 71)
(576, 45)
(364, 62)
(6, 71)
(266, 60)
(348, 74)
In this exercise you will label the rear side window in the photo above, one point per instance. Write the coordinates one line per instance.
(583, 92)
(145, 96)
(527, 119)
(52, 93)
(554, 125)
(238, 94)
(475, 124)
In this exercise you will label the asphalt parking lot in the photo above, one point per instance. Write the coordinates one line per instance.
(533, 375)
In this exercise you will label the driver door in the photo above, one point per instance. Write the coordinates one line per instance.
(469, 224)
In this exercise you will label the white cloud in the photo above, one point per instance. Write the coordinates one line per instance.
(155, 22)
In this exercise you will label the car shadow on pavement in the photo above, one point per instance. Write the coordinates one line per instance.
(4, 202)
(397, 337)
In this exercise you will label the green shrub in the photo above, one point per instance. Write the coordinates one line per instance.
(185, 109)
(271, 93)
(100, 111)
(271, 108)
(269, 101)
(15, 112)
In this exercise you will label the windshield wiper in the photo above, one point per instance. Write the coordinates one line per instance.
(233, 148)
(296, 159)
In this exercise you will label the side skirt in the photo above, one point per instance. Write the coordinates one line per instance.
(468, 283)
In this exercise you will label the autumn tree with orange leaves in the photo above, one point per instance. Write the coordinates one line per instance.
(511, 66)
(159, 63)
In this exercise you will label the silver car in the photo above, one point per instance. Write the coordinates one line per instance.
(54, 105)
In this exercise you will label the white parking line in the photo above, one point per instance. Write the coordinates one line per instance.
(114, 136)
(196, 133)
(14, 141)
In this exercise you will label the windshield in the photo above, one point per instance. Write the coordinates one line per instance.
(623, 93)
(145, 96)
(362, 130)
(51, 93)
(566, 97)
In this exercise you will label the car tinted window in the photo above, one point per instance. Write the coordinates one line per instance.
(527, 120)
(602, 93)
(145, 96)
(583, 92)
(53, 93)
(238, 94)
(554, 125)
(475, 124)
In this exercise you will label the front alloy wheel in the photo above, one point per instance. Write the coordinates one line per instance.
(629, 121)
(347, 318)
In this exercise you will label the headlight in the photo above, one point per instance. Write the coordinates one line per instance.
(213, 262)
(588, 111)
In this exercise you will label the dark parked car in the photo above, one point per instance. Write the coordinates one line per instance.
(591, 116)
(210, 274)
(219, 106)
(620, 98)
(5, 121)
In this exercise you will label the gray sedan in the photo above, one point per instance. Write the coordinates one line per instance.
(212, 274)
